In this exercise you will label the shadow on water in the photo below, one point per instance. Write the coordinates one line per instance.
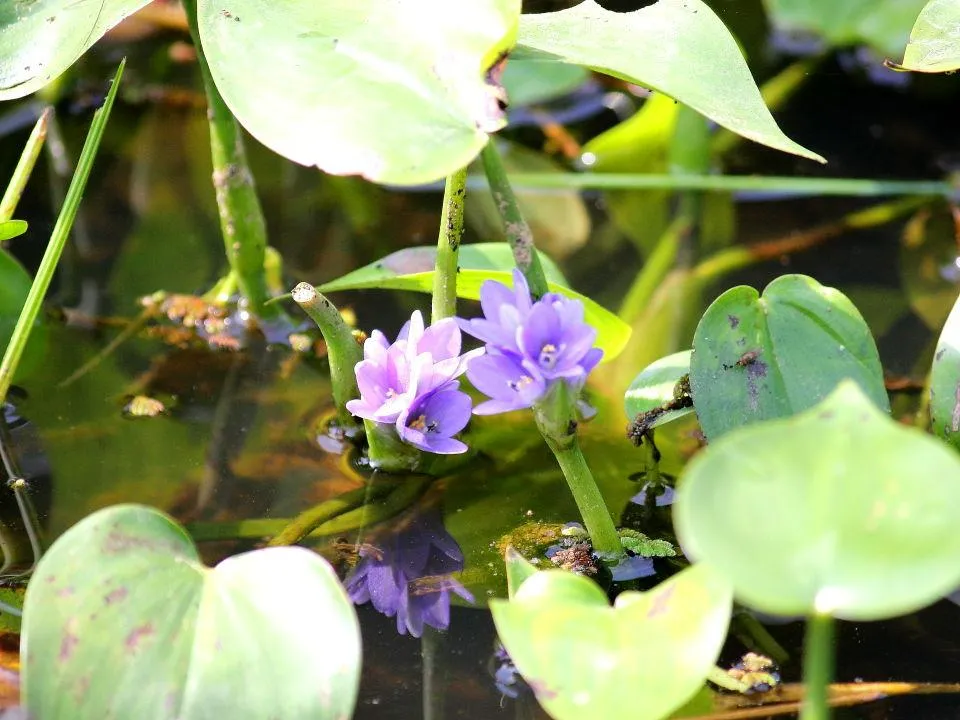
(241, 438)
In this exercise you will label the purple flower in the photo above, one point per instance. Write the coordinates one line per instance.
(411, 383)
(529, 346)
(409, 576)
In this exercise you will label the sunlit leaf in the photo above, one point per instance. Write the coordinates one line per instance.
(396, 92)
(641, 659)
(12, 228)
(882, 25)
(763, 357)
(39, 39)
(945, 381)
(935, 39)
(837, 510)
(678, 47)
(655, 386)
(121, 619)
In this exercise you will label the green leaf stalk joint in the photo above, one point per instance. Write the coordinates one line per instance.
(515, 227)
(241, 217)
(343, 350)
(448, 247)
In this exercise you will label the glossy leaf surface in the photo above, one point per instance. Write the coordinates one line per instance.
(763, 357)
(838, 510)
(11, 229)
(122, 619)
(396, 92)
(39, 39)
(641, 659)
(655, 385)
(935, 39)
(677, 47)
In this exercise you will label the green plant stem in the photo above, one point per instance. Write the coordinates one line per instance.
(58, 238)
(556, 420)
(241, 217)
(654, 270)
(395, 498)
(343, 350)
(515, 227)
(308, 521)
(817, 667)
(448, 247)
(24, 168)
(854, 187)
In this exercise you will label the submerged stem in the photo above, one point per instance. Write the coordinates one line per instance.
(515, 227)
(448, 247)
(241, 217)
(343, 351)
(817, 667)
(309, 520)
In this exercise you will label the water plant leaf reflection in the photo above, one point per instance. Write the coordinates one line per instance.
(409, 574)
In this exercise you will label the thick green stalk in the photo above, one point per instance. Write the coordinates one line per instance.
(343, 350)
(309, 520)
(817, 667)
(515, 227)
(448, 247)
(58, 238)
(853, 187)
(241, 217)
(21, 173)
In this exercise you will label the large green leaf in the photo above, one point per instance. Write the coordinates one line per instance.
(641, 659)
(39, 39)
(838, 510)
(882, 25)
(758, 358)
(945, 381)
(394, 91)
(935, 39)
(121, 619)
(678, 47)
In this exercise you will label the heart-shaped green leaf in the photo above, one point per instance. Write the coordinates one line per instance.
(678, 47)
(655, 387)
(39, 39)
(12, 228)
(121, 619)
(396, 92)
(838, 510)
(641, 659)
(934, 41)
(757, 358)
(945, 381)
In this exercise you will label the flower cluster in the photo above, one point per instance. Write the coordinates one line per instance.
(412, 384)
(410, 575)
(530, 346)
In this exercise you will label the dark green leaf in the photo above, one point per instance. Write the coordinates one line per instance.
(533, 81)
(396, 92)
(641, 659)
(709, 74)
(14, 286)
(758, 358)
(838, 510)
(122, 619)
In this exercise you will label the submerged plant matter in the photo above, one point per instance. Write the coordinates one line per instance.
(410, 574)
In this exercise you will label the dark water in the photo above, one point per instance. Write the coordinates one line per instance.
(241, 442)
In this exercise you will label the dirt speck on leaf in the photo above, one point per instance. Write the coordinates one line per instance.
(67, 646)
(115, 595)
(661, 603)
(734, 321)
(138, 635)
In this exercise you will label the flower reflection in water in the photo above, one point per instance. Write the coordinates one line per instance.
(408, 574)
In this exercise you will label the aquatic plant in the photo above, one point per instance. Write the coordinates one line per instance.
(530, 346)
